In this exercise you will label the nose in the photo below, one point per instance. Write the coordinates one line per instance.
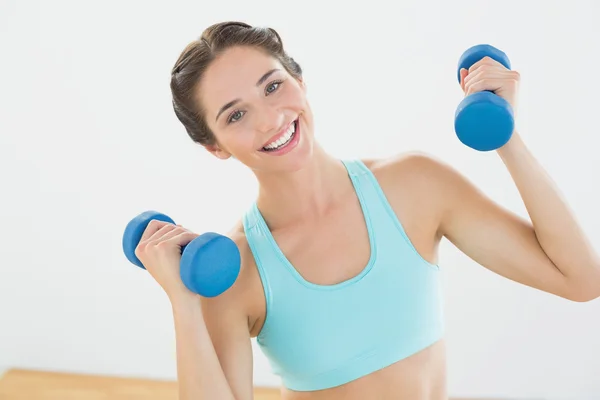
(269, 120)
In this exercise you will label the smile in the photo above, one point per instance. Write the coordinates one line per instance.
(284, 140)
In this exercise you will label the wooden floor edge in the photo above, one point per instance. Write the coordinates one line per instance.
(27, 384)
(56, 374)
(21, 383)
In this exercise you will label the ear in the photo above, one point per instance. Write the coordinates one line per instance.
(217, 151)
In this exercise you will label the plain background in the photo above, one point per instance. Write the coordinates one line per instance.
(88, 139)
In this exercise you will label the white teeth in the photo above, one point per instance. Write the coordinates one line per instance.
(283, 140)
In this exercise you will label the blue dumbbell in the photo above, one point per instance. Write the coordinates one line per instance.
(210, 263)
(483, 121)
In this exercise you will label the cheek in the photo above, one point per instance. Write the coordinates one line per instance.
(296, 98)
(240, 140)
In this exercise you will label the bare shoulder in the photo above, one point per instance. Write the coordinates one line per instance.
(420, 189)
(424, 175)
(412, 167)
(245, 296)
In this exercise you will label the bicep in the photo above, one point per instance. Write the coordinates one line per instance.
(495, 237)
(228, 329)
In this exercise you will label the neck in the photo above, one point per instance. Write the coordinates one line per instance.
(305, 194)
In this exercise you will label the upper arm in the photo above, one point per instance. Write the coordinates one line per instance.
(489, 234)
(226, 318)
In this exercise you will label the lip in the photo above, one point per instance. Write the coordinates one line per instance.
(290, 146)
(279, 134)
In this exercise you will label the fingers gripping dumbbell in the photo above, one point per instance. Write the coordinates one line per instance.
(210, 263)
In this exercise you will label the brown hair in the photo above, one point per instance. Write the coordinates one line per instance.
(197, 56)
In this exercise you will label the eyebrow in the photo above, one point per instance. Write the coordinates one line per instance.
(258, 83)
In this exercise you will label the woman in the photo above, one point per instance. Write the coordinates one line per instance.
(339, 279)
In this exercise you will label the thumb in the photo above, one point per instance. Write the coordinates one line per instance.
(463, 74)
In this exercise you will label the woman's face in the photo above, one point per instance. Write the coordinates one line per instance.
(258, 112)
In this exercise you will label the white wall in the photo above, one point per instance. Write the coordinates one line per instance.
(88, 139)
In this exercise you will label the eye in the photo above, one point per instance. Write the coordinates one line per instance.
(273, 86)
(234, 116)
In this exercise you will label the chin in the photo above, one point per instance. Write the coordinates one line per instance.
(292, 163)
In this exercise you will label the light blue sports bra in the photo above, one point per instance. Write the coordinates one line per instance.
(321, 336)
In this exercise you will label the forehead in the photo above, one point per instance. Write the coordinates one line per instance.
(234, 71)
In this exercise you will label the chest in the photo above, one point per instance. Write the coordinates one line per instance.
(331, 250)
(336, 247)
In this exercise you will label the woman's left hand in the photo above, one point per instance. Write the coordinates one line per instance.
(489, 74)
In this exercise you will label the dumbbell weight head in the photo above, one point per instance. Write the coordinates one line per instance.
(209, 265)
(478, 52)
(134, 231)
(483, 121)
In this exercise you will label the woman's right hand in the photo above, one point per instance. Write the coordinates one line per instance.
(159, 250)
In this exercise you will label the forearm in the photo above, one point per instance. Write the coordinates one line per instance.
(199, 372)
(556, 228)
